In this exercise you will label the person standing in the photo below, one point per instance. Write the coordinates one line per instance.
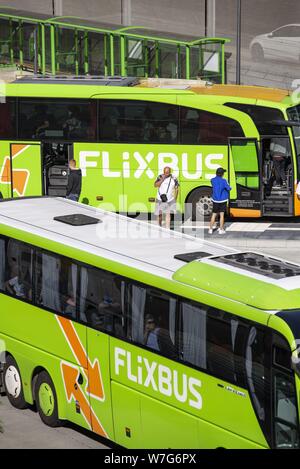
(279, 157)
(74, 182)
(167, 192)
(220, 196)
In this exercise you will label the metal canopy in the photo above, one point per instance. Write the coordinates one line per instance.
(79, 80)
(85, 23)
(22, 14)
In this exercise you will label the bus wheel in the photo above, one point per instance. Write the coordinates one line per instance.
(257, 53)
(13, 383)
(46, 400)
(201, 204)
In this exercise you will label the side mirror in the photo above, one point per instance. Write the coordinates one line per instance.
(270, 35)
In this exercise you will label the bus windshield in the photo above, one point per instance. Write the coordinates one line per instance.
(294, 115)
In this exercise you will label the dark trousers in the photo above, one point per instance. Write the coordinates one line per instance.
(279, 170)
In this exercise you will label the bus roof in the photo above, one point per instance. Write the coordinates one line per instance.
(151, 249)
(31, 86)
(244, 91)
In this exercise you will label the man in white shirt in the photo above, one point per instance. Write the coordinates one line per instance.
(167, 192)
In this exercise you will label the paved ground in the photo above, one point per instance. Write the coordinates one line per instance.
(24, 429)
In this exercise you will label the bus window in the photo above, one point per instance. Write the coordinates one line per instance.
(7, 119)
(152, 320)
(138, 122)
(257, 372)
(263, 117)
(57, 119)
(220, 348)
(18, 265)
(202, 127)
(56, 283)
(285, 411)
(102, 300)
(193, 334)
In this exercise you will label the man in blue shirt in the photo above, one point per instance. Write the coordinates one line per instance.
(220, 196)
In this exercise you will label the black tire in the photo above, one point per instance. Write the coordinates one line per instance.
(257, 53)
(44, 384)
(13, 384)
(199, 204)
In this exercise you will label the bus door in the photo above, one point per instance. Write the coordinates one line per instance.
(24, 169)
(277, 175)
(245, 178)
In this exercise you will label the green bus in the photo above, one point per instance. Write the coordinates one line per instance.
(150, 338)
(122, 133)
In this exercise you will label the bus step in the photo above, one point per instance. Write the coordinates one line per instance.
(276, 204)
(274, 213)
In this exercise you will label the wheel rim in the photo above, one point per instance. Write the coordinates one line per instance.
(46, 399)
(13, 381)
(204, 206)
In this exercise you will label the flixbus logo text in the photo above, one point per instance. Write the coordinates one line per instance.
(158, 378)
(135, 164)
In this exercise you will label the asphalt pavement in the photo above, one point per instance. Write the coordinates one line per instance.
(23, 429)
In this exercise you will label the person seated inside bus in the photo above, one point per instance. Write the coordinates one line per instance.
(148, 127)
(106, 317)
(38, 123)
(14, 285)
(72, 126)
(158, 338)
(110, 123)
(172, 127)
(69, 307)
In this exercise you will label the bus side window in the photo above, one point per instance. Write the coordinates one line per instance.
(203, 127)
(58, 119)
(193, 345)
(56, 283)
(8, 119)
(101, 303)
(19, 258)
(226, 336)
(138, 122)
(152, 320)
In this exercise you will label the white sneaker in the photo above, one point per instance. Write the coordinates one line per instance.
(221, 232)
(210, 231)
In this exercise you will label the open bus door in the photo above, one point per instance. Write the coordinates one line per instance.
(24, 169)
(245, 177)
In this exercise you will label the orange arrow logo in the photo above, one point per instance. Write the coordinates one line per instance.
(18, 177)
(73, 391)
(94, 387)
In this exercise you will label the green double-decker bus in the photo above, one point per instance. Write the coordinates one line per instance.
(147, 337)
(122, 133)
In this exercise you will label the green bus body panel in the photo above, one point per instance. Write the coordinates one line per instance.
(164, 419)
(256, 293)
(110, 170)
(20, 165)
(35, 338)
(176, 287)
(5, 179)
